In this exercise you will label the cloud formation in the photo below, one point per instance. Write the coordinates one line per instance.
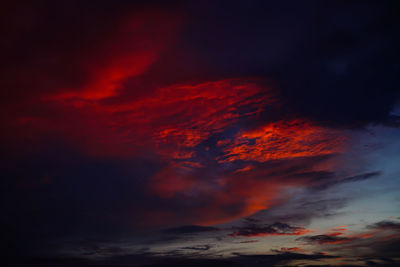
(325, 239)
(124, 118)
(267, 230)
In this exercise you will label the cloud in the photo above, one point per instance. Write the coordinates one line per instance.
(385, 225)
(283, 139)
(291, 249)
(213, 153)
(325, 239)
(266, 230)
(160, 124)
(279, 258)
(248, 241)
(149, 259)
(356, 178)
(377, 243)
(93, 248)
(148, 115)
(190, 229)
(327, 66)
(200, 247)
(315, 200)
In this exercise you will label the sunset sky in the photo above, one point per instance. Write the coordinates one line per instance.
(200, 133)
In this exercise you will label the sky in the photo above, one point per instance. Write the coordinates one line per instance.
(200, 133)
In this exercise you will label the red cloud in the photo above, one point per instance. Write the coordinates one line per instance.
(127, 51)
(168, 123)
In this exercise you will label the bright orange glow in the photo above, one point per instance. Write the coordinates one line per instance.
(283, 139)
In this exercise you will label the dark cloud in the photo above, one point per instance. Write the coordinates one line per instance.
(361, 177)
(337, 181)
(303, 208)
(94, 248)
(325, 239)
(190, 229)
(200, 247)
(248, 241)
(314, 201)
(335, 62)
(386, 225)
(377, 245)
(150, 260)
(264, 230)
(387, 248)
(279, 258)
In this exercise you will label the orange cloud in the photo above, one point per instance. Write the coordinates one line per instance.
(283, 139)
